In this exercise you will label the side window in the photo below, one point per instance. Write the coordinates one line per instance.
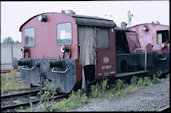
(162, 37)
(64, 34)
(29, 37)
(102, 38)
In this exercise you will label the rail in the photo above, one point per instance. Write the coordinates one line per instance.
(27, 94)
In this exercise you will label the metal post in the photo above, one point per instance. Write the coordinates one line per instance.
(83, 87)
(145, 60)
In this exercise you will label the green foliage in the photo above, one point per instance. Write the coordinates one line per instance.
(155, 79)
(98, 89)
(75, 100)
(168, 76)
(144, 81)
(147, 81)
(47, 91)
(47, 107)
(134, 80)
(95, 90)
(10, 83)
(140, 82)
(158, 73)
(119, 85)
(8, 40)
(30, 109)
(104, 85)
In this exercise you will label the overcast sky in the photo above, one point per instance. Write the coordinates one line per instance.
(14, 14)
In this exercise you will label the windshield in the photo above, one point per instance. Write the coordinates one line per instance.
(29, 37)
(64, 34)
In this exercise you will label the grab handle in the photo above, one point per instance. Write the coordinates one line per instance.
(162, 58)
(27, 68)
(53, 70)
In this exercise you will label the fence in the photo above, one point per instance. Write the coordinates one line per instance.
(8, 51)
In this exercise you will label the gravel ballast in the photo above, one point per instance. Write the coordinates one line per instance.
(149, 98)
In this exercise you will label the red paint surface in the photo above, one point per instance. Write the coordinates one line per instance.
(110, 53)
(46, 43)
(149, 36)
(46, 36)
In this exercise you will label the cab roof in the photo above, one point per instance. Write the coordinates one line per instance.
(82, 20)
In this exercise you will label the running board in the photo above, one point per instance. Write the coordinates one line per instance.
(130, 73)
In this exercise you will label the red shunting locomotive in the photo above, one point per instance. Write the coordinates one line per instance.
(72, 49)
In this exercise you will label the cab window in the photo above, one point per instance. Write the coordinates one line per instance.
(162, 37)
(29, 37)
(64, 34)
(102, 38)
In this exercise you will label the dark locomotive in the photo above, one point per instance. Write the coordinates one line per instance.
(72, 49)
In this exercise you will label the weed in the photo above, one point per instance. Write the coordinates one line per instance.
(11, 83)
(104, 85)
(158, 74)
(99, 89)
(142, 100)
(74, 100)
(30, 109)
(147, 81)
(134, 80)
(119, 84)
(140, 82)
(155, 79)
(168, 76)
(95, 90)
(48, 90)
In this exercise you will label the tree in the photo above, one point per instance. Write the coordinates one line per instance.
(8, 40)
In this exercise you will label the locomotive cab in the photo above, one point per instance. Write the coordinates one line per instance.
(142, 48)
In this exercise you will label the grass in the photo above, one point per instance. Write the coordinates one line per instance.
(10, 83)
(100, 90)
(76, 99)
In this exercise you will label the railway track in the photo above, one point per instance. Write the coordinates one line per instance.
(5, 71)
(14, 101)
(8, 71)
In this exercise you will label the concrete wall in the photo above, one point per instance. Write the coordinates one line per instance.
(8, 51)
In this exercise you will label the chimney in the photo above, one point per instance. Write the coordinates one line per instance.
(68, 12)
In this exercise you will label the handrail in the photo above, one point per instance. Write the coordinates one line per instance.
(53, 70)
(28, 68)
(145, 62)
